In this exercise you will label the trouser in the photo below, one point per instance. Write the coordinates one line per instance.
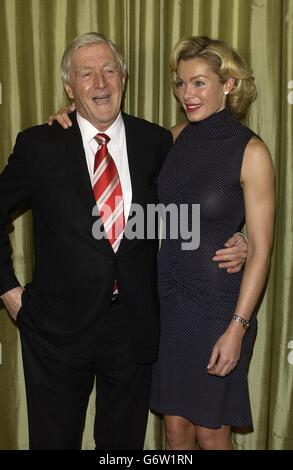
(58, 387)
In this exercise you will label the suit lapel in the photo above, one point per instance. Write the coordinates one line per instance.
(134, 151)
(78, 164)
(136, 170)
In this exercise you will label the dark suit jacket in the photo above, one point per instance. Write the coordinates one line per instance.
(70, 292)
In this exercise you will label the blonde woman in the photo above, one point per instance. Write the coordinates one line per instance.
(208, 322)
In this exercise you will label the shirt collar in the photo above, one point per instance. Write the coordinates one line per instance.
(88, 131)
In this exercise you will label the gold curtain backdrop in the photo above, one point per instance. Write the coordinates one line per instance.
(33, 35)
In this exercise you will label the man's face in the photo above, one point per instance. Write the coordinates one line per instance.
(96, 84)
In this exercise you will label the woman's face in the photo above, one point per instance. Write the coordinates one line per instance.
(199, 89)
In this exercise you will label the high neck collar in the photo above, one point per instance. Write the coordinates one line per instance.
(215, 125)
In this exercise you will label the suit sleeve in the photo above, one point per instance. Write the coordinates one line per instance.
(15, 188)
(166, 144)
(169, 142)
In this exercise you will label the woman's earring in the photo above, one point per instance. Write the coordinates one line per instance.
(226, 92)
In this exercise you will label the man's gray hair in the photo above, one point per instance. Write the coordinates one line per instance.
(88, 39)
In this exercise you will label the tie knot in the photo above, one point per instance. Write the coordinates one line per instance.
(102, 139)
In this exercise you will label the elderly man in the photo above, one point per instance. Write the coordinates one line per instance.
(91, 310)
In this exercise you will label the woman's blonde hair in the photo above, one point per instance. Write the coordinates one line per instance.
(225, 62)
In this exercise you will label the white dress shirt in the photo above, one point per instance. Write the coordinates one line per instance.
(117, 149)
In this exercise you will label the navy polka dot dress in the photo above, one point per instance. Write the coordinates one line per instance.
(197, 298)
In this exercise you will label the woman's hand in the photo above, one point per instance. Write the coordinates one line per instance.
(226, 352)
(62, 116)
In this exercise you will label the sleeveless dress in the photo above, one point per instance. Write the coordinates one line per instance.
(197, 298)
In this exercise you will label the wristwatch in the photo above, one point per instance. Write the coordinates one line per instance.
(245, 323)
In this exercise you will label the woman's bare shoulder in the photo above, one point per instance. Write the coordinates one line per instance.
(176, 130)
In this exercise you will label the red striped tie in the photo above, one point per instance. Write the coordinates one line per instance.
(108, 192)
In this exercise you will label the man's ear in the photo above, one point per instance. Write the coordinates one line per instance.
(68, 90)
(124, 80)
